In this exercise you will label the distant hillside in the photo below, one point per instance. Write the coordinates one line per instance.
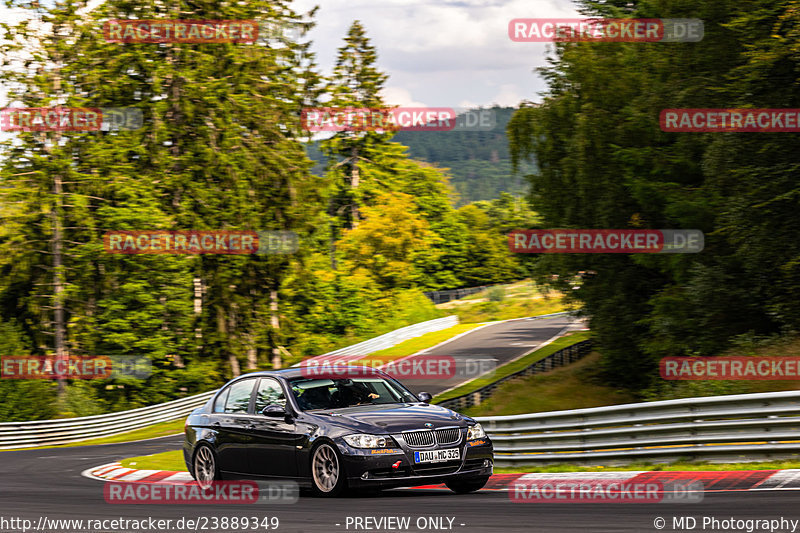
(479, 161)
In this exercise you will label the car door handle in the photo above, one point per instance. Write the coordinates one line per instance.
(251, 426)
(215, 425)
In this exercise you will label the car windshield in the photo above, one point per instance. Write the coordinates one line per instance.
(314, 393)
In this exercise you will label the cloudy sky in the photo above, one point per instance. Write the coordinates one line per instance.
(442, 53)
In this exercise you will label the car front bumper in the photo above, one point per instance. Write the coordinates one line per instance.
(374, 468)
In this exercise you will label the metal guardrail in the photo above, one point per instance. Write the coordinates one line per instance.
(549, 315)
(393, 338)
(742, 427)
(440, 297)
(53, 432)
(69, 430)
(562, 357)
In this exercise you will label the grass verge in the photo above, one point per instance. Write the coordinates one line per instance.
(517, 300)
(574, 386)
(171, 460)
(516, 366)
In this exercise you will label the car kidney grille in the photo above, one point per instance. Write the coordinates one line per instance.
(418, 439)
(425, 438)
(448, 436)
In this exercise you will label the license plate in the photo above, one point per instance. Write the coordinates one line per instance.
(437, 456)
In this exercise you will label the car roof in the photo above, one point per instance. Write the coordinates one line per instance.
(301, 372)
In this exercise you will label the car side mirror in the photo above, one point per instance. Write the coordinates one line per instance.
(274, 410)
(425, 397)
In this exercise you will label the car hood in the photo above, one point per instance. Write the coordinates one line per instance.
(393, 418)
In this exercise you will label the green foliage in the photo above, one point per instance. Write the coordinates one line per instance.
(389, 243)
(497, 294)
(218, 149)
(603, 162)
(221, 148)
(23, 399)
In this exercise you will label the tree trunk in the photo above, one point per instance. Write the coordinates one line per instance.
(354, 182)
(59, 342)
(234, 363)
(276, 326)
(252, 353)
(58, 282)
(222, 329)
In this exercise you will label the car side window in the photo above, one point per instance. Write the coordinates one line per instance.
(239, 396)
(269, 392)
(219, 405)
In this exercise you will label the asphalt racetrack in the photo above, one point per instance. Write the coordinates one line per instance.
(48, 483)
(495, 345)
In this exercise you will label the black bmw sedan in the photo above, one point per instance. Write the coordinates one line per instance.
(332, 433)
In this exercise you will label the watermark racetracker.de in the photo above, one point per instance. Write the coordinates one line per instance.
(651, 30)
(707, 120)
(385, 119)
(158, 31)
(613, 241)
(235, 492)
(717, 368)
(577, 488)
(192, 242)
(75, 367)
(70, 119)
(419, 367)
(180, 31)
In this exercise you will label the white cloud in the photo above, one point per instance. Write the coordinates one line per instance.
(399, 97)
(508, 96)
(443, 52)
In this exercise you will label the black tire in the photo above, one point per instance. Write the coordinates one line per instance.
(465, 486)
(328, 477)
(205, 467)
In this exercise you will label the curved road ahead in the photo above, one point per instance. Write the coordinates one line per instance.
(48, 483)
(495, 344)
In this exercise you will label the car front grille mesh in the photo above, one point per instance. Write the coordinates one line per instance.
(418, 439)
(424, 438)
(448, 436)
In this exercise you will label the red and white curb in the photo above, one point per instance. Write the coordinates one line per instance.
(713, 481)
(117, 472)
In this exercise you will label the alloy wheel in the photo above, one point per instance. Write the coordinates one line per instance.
(205, 467)
(325, 468)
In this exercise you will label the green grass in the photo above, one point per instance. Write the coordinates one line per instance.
(574, 386)
(171, 460)
(162, 429)
(676, 466)
(416, 344)
(505, 310)
(517, 365)
(522, 299)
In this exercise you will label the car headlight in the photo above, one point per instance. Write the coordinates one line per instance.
(368, 441)
(475, 432)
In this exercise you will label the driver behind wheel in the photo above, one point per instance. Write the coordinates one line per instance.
(353, 393)
(316, 398)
